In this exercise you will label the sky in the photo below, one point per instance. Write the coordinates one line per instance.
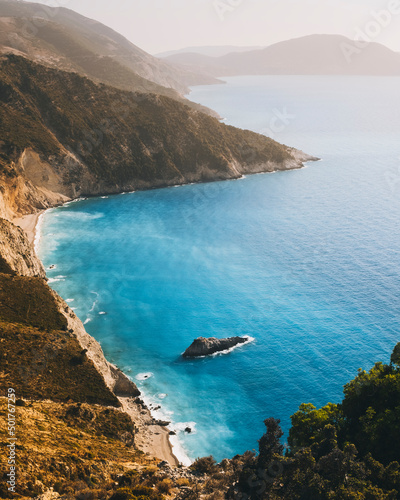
(163, 25)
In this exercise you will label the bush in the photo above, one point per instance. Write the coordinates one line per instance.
(165, 486)
(123, 494)
(205, 465)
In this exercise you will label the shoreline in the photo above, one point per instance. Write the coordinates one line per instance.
(153, 440)
(29, 223)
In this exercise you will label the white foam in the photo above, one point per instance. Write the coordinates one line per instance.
(82, 216)
(182, 426)
(162, 396)
(102, 313)
(70, 300)
(74, 201)
(144, 376)
(227, 351)
(104, 197)
(89, 317)
(178, 450)
(95, 302)
(162, 414)
(38, 231)
(55, 280)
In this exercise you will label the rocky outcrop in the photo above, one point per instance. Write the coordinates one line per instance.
(123, 387)
(27, 185)
(16, 253)
(206, 346)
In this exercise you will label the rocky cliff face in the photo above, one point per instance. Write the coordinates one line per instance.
(24, 186)
(16, 253)
(114, 378)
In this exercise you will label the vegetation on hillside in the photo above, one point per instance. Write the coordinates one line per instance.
(66, 40)
(75, 439)
(97, 138)
(81, 451)
(39, 357)
(346, 451)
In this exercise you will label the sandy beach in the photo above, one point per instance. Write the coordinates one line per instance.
(28, 223)
(152, 439)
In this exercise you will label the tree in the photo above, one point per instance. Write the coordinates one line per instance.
(308, 424)
(395, 358)
(269, 445)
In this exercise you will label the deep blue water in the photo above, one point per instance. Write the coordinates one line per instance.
(306, 262)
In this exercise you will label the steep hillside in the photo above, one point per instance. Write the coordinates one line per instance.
(79, 422)
(55, 356)
(310, 55)
(62, 39)
(66, 136)
(70, 41)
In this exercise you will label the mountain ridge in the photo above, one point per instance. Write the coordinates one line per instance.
(209, 50)
(309, 55)
(63, 39)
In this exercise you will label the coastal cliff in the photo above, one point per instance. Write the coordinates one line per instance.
(17, 254)
(64, 136)
(27, 300)
(76, 439)
(56, 368)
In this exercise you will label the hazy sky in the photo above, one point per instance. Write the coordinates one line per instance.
(161, 25)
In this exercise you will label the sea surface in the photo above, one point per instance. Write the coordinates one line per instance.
(306, 262)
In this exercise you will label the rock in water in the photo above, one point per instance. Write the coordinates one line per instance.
(204, 347)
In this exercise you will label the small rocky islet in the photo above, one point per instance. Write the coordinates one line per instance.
(206, 346)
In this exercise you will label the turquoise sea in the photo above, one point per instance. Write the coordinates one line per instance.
(306, 262)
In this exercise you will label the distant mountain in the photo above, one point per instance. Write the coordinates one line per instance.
(192, 61)
(315, 54)
(61, 38)
(209, 50)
